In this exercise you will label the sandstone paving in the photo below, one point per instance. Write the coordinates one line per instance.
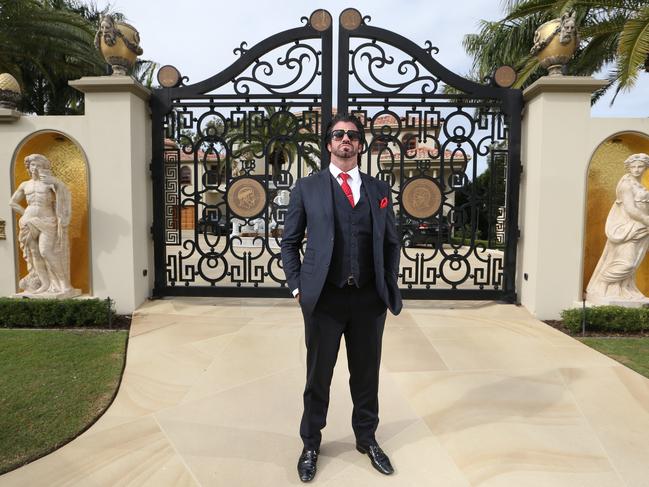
(473, 394)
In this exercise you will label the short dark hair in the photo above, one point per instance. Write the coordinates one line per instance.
(345, 117)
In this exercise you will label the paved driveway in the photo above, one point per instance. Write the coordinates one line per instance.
(472, 394)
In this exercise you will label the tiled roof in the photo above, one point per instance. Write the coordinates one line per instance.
(391, 121)
(171, 144)
(423, 152)
(201, 156)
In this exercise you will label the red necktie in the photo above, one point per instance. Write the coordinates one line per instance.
(346, 189)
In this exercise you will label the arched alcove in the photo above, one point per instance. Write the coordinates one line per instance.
(605, 169)
(69, 164)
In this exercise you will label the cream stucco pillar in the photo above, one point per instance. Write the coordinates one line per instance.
(118, 135)
(556, 147)
(8, 117)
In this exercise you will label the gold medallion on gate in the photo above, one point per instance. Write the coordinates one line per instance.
(246, 197)
(421, 198)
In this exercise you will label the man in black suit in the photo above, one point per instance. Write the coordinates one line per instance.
(345, 283)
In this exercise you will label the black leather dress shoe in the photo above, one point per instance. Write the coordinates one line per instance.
(306, 465)
(379, 459)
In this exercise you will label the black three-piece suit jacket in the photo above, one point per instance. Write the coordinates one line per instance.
(311, 210)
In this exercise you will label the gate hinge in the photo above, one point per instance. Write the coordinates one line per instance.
(151, 168)
(152, 231)
(521, 169)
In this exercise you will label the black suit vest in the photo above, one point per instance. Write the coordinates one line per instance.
(352, 252)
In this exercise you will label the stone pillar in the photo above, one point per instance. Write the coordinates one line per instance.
(7, 257)
(556, 148)
(118, 147)
(9, 115)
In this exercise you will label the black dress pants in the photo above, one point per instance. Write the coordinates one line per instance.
(358, 314)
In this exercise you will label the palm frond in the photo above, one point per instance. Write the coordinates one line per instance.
(500, 43)
(600, 93)
(612, 31)
(266, 139)
(527, 72)
(611, 25)
(596, 54)
(628, 6)
(633, 50)
(144, 70)
(45, 43)
(529, 8)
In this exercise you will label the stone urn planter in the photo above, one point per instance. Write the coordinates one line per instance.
(10, 92)
(555, 42)
(119, 43)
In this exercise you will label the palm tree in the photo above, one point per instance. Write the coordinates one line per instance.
(144, 70)
(27, 27)
(280, 136)
(612, 31)
(633, 49)
(46, 43)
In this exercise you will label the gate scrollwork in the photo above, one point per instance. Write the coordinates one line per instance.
(228, 150)
(427, 126)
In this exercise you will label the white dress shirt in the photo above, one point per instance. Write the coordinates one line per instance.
(354, 182)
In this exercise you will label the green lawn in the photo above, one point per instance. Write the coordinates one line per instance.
(632, 352)
(53, 383)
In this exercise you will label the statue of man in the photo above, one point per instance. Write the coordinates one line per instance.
(43, 231)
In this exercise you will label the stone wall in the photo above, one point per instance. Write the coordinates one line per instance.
(559, 139)
(115, 136)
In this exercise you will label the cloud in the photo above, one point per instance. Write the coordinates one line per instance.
(198, 37)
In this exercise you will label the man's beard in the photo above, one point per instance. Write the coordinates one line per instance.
(342, 154)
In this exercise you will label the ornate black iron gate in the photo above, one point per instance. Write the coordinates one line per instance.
(430, 132)
(228, 150)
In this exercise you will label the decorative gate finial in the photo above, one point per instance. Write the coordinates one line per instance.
(351, 19)
(320, 20)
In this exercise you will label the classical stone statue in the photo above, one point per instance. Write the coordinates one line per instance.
(627, 233)
(43, 231)
(568, 28)
(282, 199)
(107, 30)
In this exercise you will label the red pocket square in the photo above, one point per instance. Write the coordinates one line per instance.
(384, 203)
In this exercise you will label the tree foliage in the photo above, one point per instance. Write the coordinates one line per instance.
(46, 43)
(611, 31)
(278, 135)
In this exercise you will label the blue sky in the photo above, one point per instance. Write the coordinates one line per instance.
(198, 36)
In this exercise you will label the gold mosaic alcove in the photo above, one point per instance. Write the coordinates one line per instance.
(70, 166)
(605, 170)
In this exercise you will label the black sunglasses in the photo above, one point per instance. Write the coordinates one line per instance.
(339, 134)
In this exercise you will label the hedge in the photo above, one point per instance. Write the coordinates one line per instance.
(607, 318)
(59, 313)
